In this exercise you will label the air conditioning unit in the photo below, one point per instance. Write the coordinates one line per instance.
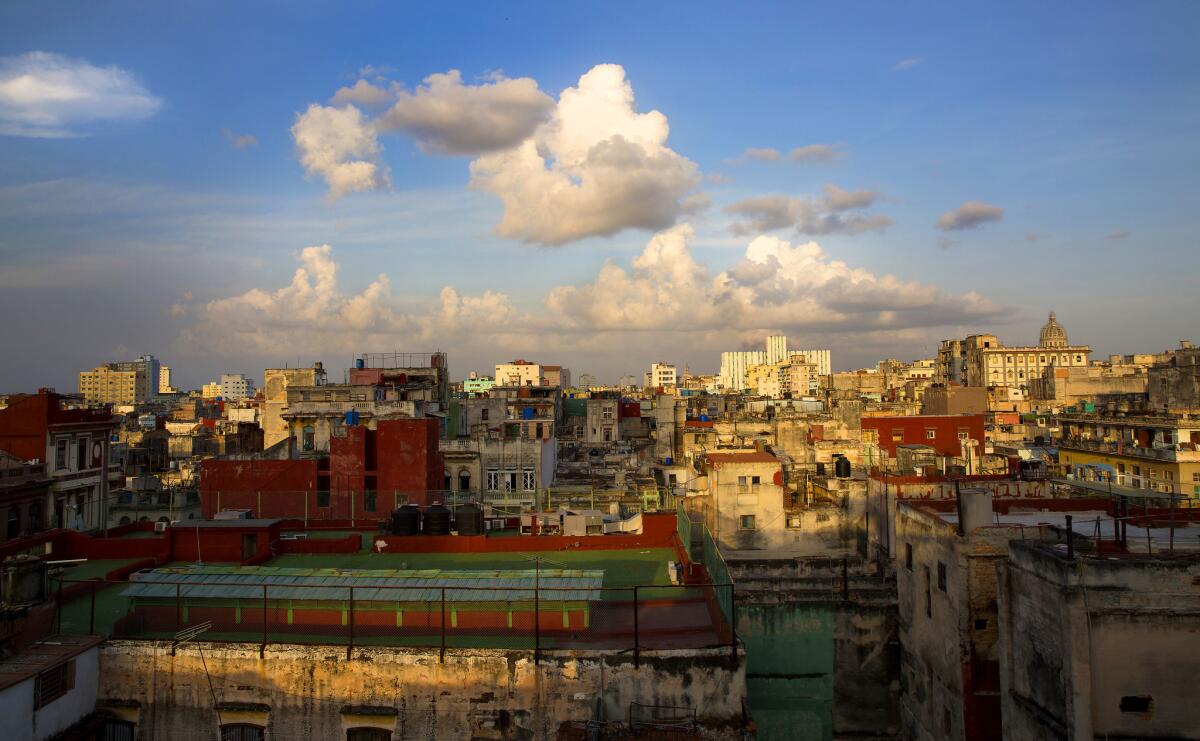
(160, 527)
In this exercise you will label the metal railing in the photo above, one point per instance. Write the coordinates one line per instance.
(633, 619)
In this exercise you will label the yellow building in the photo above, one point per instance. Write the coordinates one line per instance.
(115, 383)
(1142, 452)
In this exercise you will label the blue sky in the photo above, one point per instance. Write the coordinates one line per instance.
(1076, 121)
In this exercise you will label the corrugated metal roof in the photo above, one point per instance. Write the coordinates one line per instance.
(370, 585)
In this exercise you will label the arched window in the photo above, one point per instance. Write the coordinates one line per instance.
(464, 480)
(125, 520)
(35, 518)
(242, 732)
(14, 521)
(308, 440)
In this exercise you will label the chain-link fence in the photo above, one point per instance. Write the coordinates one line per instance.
(537, 611)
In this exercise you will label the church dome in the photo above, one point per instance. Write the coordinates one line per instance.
(1053, 334)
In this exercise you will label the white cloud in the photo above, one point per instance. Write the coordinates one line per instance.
(969, 215)
(239, 141)
(663, 296)
(906, 64)
(762, 154)
(361, 93)
(339, 145)
(836, 212)
(446, 116)
(815, 153)
(595, 168)
(50, 95)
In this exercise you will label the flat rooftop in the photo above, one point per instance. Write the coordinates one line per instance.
(37, 658)
(1096, 525)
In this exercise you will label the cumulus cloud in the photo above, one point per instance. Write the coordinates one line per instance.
(448, 117)
(904, 64)
(361, 93)
(596, 167)
(969, 215)
(815, 153)
(239, 141)
(663, 294)
(340, 146)
(838, 211)
(762, 154)
(1120, 234)
(50, 95)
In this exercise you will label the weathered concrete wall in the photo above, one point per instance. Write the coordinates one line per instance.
(1098, 647)
(307, 692)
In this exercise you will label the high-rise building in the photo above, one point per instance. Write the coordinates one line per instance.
(734, 366)
(776, 349)
(164, 380)
(236, 386)
(819, 358)
(663, 375)
(131, 382)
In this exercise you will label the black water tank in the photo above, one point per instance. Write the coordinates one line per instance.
(841, 467)
(406, 520)
(435, 520)
(468, 519)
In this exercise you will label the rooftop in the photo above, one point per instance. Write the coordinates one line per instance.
(39, 657)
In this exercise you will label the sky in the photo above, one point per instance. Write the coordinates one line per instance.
(237, 186)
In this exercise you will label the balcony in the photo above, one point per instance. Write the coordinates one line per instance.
(1173, 454)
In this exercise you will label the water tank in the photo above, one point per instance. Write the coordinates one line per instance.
(406, 520)
(435, 520)
(703, 417)
(976, 505)
(468, 519)
(841, 467)
(360, 363)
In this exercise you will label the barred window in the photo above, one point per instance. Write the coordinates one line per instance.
(53, 684)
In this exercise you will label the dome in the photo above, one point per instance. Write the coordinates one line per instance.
(1053, 334)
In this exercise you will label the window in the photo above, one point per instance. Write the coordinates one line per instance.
(117, 730)
(369, 500)
(322, 491)
(941, 576)
(53, 684)
(747, 522)
(539, 431)
(528, 480)
(928, 593)
(510, 480)
(794, 522)
(242, 732)
(14, 522)
(755, 480)
(483, 414)
(1136, 703)
(81, 449)
(35, 517)
(1196, 478)
(897, 436)
(464, 481)
(308, 440)
(930, 434)
(60, 453)
(963, 434)
(608, 434)
(493, 480)
(368, 734)
(908, 556)
(741, 480)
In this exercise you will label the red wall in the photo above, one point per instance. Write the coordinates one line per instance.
(25, 423)
(240, 481)
(409, 459)
(946, 429)
(219, 544)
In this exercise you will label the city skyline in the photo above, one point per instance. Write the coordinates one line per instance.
(680, 188)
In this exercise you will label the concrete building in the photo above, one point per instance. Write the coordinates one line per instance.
(744, 505)
(24, 493)
(164, 380)
(1095, 647)
(74, 445)
(988, 362)
(236, 386)
(115, 383)
(556, 375)
(777, 351)
(822, 359)
(1140, 451)
(519, 373)
(949, 436)
(663, 375)
(475, 385)
(48, 691)
(210, 391)
(603, 422)
(1058, 387)
(734, 365)
(275, 399)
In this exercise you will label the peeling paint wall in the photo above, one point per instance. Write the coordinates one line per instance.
(484, 694)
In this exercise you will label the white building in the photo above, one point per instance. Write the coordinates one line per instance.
(820, 358)
(519, 373)
(663, 375)
(236, 386)
(164, 380)
(734, 366)
(776, 349)
(210, 390)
